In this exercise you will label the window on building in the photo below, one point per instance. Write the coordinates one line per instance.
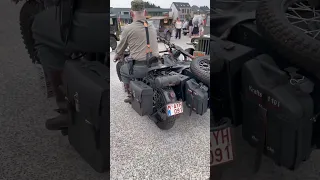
(125, 13)
(182, 10)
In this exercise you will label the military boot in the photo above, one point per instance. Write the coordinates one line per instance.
(58, 123)
(127, 89)
(62, 120)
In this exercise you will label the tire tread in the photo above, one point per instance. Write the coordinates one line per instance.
(299, 48)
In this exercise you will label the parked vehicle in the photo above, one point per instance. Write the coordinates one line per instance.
(200, 45)
(163, 25)
(114, 31)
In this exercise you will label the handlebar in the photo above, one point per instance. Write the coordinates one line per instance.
(163, 51)
(171, 45)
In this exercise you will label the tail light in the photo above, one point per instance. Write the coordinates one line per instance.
(172, 95)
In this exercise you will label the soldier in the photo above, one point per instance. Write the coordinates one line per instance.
(86, 29)
(134, 36)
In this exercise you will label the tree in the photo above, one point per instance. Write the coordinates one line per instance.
(150, 5)
(187, 17)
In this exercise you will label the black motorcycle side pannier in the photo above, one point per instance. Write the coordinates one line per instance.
(225, 96)
(142, 98)
(87, 90)
(276, 114)
(196, 97)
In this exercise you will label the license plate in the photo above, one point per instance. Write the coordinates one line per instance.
(198, 53)
(221, 150)
(174, 109)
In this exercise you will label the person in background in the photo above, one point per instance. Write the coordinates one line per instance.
(178, 26)
(185, 26)
(190, 27)
(196, 21)
(201, 29)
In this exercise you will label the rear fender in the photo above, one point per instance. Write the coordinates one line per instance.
(169, 95)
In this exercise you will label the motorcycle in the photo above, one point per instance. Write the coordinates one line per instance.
(169, 83)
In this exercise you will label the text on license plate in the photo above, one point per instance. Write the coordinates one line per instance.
(198, 53)
(174, 109)
(221, 147)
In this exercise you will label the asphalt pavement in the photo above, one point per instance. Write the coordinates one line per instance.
(140, 150)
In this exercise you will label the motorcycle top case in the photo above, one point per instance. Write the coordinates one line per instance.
(225, 97)
(275, 109)
(196, 97)
(87, 90)
(142, 98)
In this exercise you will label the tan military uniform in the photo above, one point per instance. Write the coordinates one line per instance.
(134, 37)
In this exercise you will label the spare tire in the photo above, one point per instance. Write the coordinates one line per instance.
(200, 67)
(28, 11)
(290, 41)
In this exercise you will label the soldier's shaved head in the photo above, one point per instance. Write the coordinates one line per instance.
(138, 9)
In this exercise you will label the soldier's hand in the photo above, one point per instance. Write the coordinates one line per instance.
(117, 57)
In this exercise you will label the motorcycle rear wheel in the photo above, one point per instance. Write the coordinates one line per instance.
(162, 120)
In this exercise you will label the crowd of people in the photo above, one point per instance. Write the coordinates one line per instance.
(192, 27)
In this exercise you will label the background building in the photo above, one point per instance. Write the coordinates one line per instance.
(202, 10)
(124, 13)
(181, 10)
(158, 11)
